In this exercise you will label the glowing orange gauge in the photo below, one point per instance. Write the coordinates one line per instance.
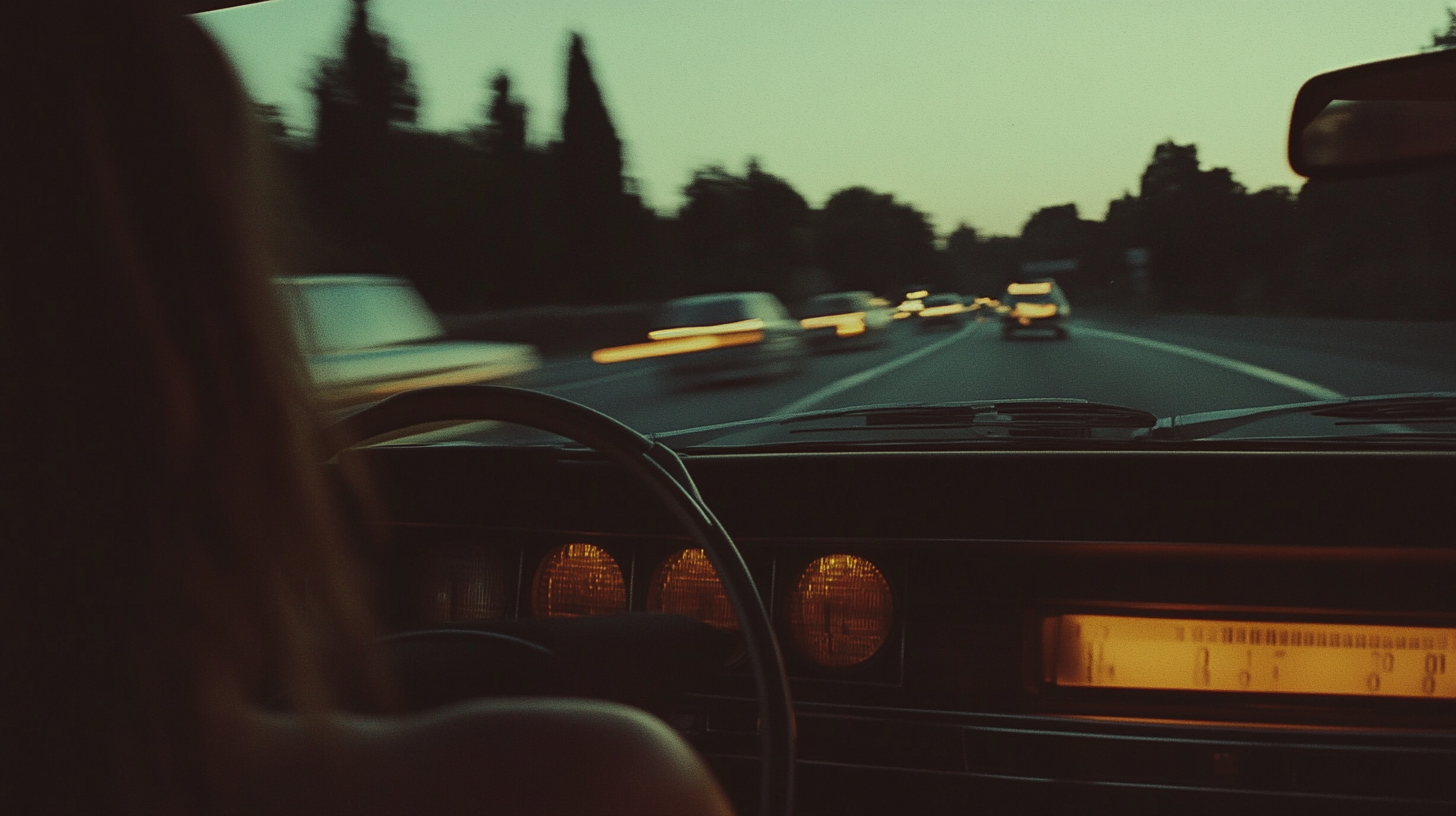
(687, 584)
(840, 610)
(576, 580)
(466, 583)
(1279, 657)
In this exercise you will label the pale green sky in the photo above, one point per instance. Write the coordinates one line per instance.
(973, 111)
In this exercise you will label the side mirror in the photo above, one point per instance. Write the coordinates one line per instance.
(1379, 117)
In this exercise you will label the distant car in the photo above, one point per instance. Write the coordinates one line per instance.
(845, 320)
(944, 309)
(365, 337)
(1035, 305)
(912, 300)
(739, 335)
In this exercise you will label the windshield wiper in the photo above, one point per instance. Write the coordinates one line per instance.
(994, 420)
(1392, 410)
(1018, 417)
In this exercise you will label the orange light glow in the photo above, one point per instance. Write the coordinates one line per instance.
(844, 325)
(902, 315)
(466, 583)
(1250, 656)
(687, 584)
(1034, 311)
(576, 580)
(840, 610)
(681, 345)
(754, 324)
(917, 294)
(912, 306)
(1037, 288)
(938, 311)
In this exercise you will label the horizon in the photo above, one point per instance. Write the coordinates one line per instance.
(865, 102)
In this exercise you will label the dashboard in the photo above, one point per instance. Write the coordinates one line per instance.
(1020, 631)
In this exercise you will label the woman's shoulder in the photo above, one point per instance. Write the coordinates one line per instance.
(509, 755)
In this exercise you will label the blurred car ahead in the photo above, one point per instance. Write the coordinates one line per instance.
(941, 310)
(842, 320)
(365, 337)
(1035, 305)
(911, 302)
(725, 336)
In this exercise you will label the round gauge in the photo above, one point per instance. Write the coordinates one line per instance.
(576, 580)
(840, 610)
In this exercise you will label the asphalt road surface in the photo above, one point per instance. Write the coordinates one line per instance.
(1162, 365)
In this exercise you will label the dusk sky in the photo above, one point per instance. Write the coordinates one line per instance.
(979, 112)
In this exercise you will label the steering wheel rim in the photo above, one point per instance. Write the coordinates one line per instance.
(664, 473)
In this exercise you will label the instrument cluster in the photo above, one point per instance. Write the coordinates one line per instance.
(836, 609)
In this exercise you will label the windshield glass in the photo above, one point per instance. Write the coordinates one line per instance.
(833, 304)
(345, 313)
(928, 189)
(700, 313)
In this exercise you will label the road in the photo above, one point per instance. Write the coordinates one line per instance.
(1163, 365)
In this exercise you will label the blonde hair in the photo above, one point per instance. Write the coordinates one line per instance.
(171, 546)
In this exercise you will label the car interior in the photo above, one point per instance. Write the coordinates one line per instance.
(1160, 627)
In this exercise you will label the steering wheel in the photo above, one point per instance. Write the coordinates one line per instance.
(663, 472)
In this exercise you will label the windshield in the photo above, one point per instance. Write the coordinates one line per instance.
(956, 202)
(694, 312)
(833, 304)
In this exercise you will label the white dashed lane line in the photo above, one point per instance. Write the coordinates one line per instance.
(844, 384)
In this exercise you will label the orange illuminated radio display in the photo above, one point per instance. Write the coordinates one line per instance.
(1249, 656)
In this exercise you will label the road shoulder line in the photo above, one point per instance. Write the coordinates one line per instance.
(846, 383)
(1269, 375)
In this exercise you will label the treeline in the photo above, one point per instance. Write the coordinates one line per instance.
(488, 219)
(1379, 247)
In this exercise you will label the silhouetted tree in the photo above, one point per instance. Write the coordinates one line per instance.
(504, 134)
(1447, 38)
(980, 265)
(1054, 233)
(589, 161)
(745, 232)
(1187, 218)
(868, 240)
(1214, 246)
(359, 99)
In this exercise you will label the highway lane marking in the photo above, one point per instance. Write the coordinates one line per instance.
(621, 375)
(1309, 389)
(846, 383)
